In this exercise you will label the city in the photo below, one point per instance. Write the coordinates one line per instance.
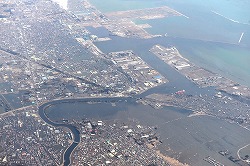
(50, 61)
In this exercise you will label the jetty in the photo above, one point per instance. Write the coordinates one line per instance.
(242, 34)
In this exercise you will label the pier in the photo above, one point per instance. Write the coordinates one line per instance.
(241, 37)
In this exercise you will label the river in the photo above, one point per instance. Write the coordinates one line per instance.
(193, 137)
(209, 46)
(207, 39)
(73, 129)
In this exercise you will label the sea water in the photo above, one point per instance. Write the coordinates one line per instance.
(210, 35)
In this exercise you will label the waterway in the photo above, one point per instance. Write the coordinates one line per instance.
(73, 129)
(189, 139)
(208, 39)
(228, 60)
(49, 116)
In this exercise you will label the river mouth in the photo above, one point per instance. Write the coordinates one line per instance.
(188, 139)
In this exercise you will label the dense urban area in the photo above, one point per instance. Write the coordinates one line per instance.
(48, 54)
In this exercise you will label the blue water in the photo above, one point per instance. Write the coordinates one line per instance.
(230, 61)
(207, 39)
(234, 9)
(202, 23)
(118, 5)
(215, 29)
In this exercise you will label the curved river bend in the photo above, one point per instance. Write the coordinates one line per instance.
(74, 131)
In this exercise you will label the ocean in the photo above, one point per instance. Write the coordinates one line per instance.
(209, 37)
(234, 9)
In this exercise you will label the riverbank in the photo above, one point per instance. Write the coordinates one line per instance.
(177, 130)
